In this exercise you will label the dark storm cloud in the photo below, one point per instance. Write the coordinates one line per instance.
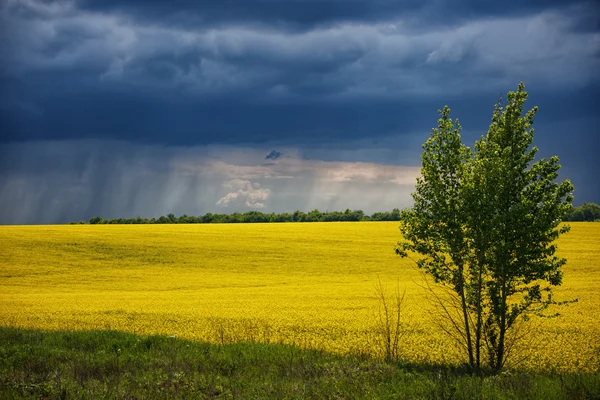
(346, 60)
(306, 14)
(189, 121)
(292, 13)
(273, 155)
(334, 81)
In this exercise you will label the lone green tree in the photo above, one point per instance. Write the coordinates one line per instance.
(484, 224)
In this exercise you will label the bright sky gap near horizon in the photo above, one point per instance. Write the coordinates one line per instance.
(144, 108)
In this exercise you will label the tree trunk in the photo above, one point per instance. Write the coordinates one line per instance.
(466, 318)
(479, 313)
(502, 328)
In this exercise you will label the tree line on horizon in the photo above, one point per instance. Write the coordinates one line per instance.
(256, 217)
(585, 212)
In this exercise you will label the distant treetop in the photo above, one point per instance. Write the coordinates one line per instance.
(585, 212)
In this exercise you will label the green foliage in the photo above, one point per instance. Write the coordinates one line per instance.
(586, 212)
(386, 216)
(484, 224)
(96, 220)
(108, 364)
(258, 217)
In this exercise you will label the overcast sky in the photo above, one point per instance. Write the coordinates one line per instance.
(143, 108)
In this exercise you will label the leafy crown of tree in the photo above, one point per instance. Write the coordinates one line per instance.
(484, 224)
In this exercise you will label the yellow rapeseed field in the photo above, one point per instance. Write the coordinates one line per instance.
(309, 284)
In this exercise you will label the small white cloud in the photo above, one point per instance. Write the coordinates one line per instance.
(246, 194)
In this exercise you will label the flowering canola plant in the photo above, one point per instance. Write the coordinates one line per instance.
(307, 284)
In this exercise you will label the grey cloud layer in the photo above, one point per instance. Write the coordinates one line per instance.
(55, 182)
(343, 60)
(303, 15)
(342, 92)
